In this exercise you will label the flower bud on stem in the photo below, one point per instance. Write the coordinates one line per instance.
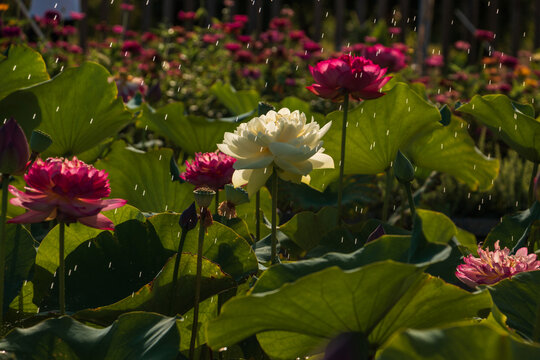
(203, 197)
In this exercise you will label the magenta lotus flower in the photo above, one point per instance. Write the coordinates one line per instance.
(67, 190)
(14, 152)
(494, 266)
(434, 61)
(386, 57)
(357, 76)
(484, 35)
(213, 170)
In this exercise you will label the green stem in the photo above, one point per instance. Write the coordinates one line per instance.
(3, 214)
(482, 139)
(407, 186)
(342, 159)
(387, 191)
(531, 184)
(175, 271)
(62, 271)
(273, 256)
(194, 328)
(216, 201)
(258, 216)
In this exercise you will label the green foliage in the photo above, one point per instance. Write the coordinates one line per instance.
(21, 68)
(144, 180)
(76, 117)
(458, 342)
(237, 102)
(133, 336)
(320, 306)
(513, 122)
(519, 299)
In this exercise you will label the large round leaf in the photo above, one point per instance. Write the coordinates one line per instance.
(451, 150)
(519, 299)
(20, 257)
(460, 342)
(191, 133)
(78, 108)
(133, 336)
(157, 297)
(222, 245)
(144, 179)
(117, 263)
(237, 102)
(376, 130)
(376, 301)
(23, 67)
(516, 126)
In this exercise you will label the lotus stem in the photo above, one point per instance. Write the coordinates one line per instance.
(176, 267)
(273, 254)
(258, 216)
(531, 184)
(407, 186)
(342, 159)
(5, 183)
(61, 271)
(216, 202)
(387, 191)
(194, 328)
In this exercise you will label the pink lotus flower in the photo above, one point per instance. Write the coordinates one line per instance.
(132, 47)
(187, 15)
(394, 30)
(11, 31)
(434, 61)
(494, 266)
(240, 18)
(385, 57)
(67, 190)
(77, 15)
(484, 35)
(127, 7)
(213, 170)
(357, 76)
(233, 47)
(462, 45)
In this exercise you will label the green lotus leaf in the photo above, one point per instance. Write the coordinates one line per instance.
(451, 150)
(133, 336)
(21, 68)
(79, 109)
(375, 301)
(191, 133)
(515, 126)
(156, 296)
(20, 257)
(144, 179)
(222, 245)
(519, 299)
(459, 342)
(237, 102)
(402, 120)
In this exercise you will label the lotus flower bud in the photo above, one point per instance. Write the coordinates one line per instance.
(403, 169)
(39, 141)
(377, 233)
(188, 219)
(14, 152)
(237, 195)
(204, 196)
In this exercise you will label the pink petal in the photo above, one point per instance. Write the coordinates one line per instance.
(30, 217)
(98, 221)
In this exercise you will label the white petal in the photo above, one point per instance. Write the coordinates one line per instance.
(256, 162)
(257, 179)
(322, 161)
(241, 177)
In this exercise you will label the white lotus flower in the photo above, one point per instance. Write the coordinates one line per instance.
(278, 140)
